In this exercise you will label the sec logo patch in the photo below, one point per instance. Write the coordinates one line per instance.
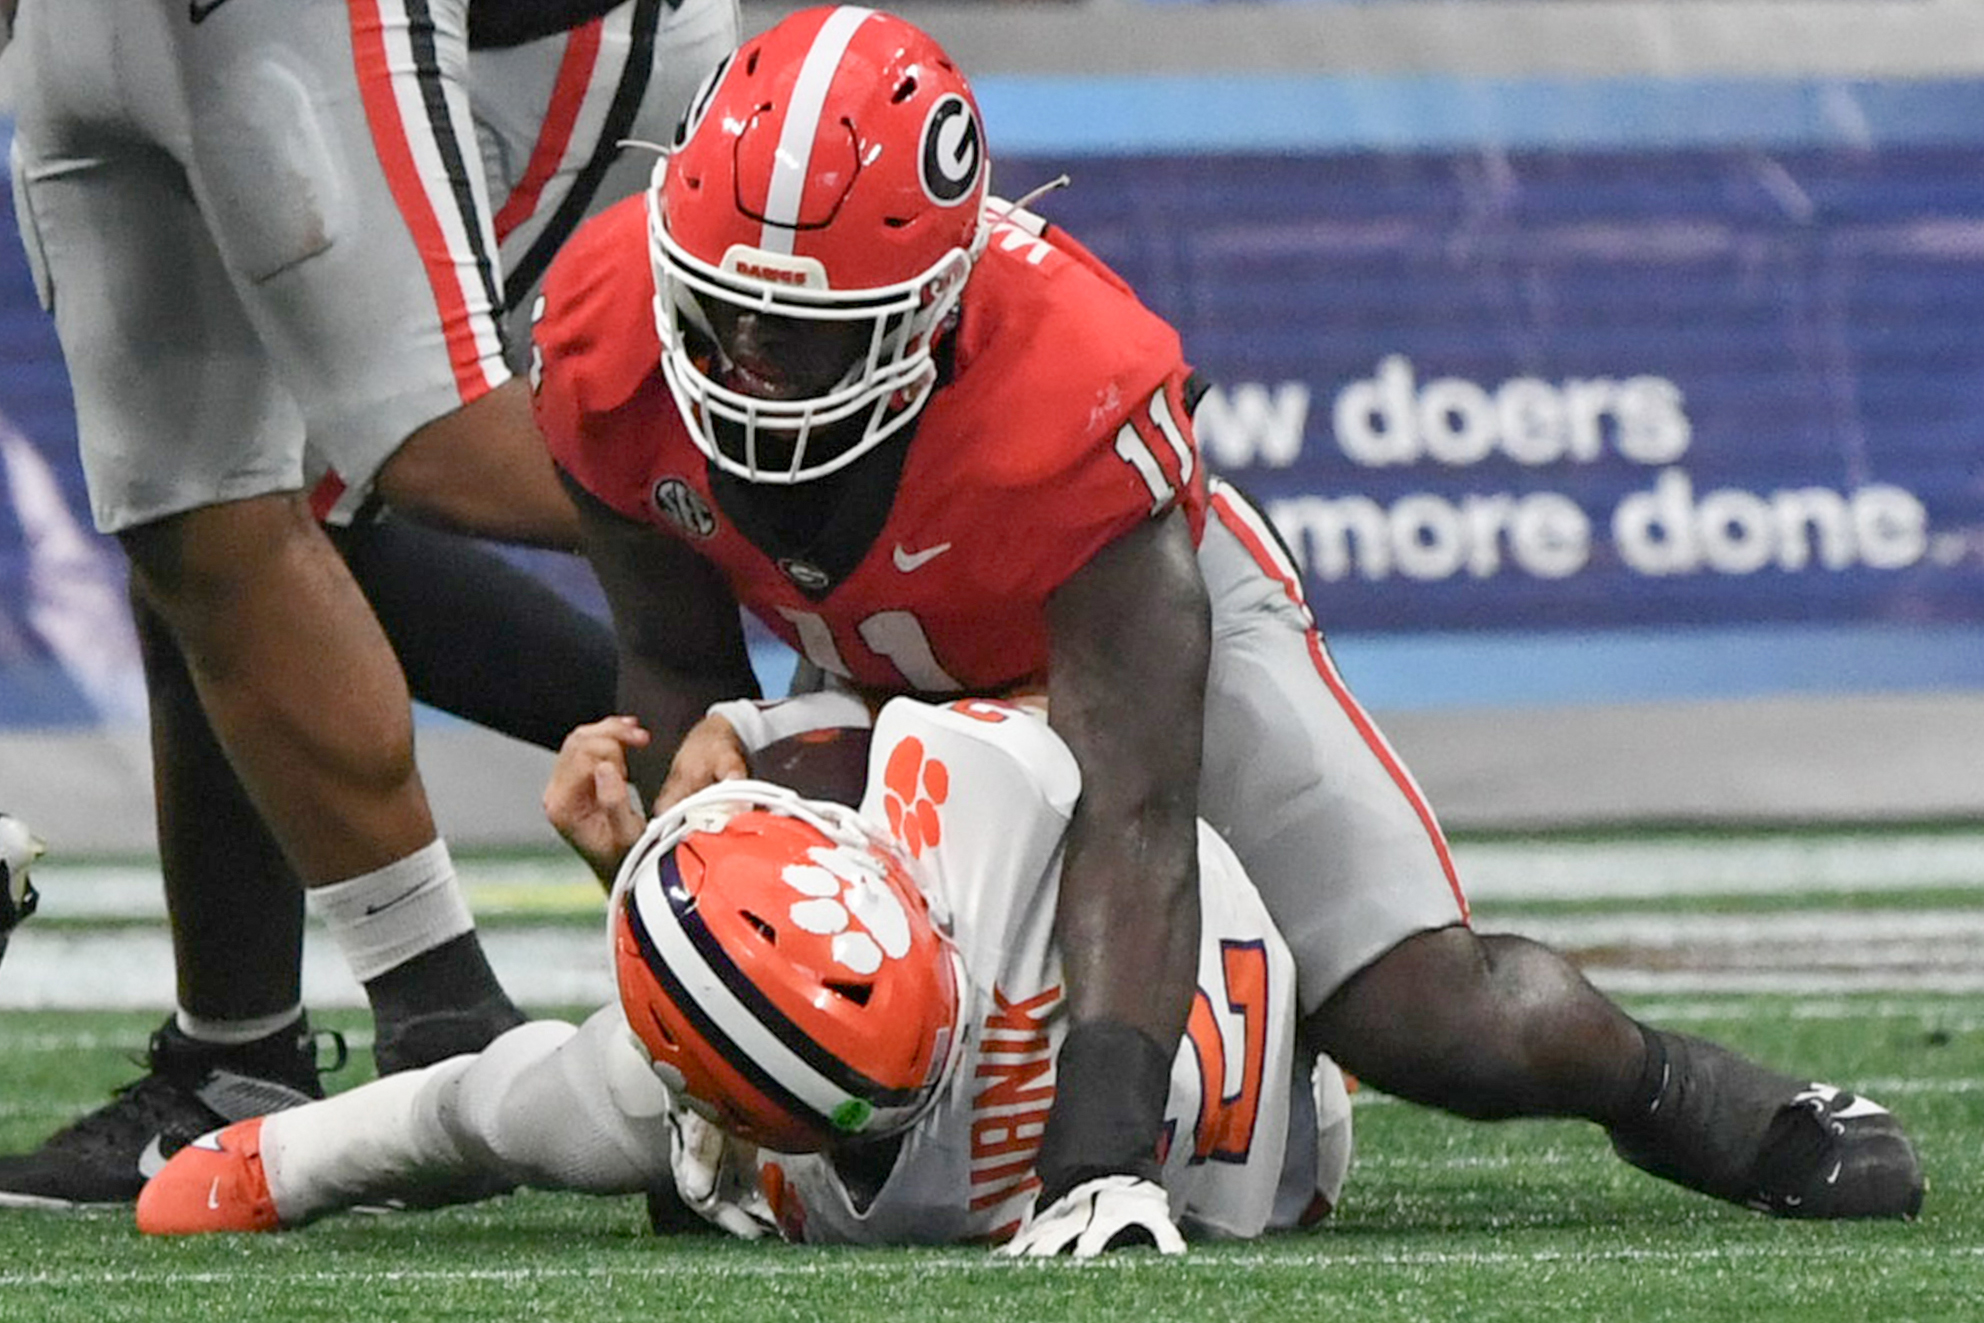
(683, 506)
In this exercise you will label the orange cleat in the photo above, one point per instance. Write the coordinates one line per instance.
(215, 1183)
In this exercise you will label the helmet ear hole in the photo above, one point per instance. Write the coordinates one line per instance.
(661, 1029)
(858, 993)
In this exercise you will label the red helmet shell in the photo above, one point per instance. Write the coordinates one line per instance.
(841, 136)
(833, 171)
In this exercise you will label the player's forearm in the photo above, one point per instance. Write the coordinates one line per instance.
(1126, 689)
(1128, 920)
(1128, 923)
(679, 641)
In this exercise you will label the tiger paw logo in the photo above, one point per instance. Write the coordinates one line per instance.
(846, 900)
(913, 788)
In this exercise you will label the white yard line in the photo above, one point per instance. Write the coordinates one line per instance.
(1719, 866)
(1827, 952)
(133, 891)
(1810, 951)
(1540, 869)
(1308, 1251)
(131, 969)
(1859, 929)
(1791, 982)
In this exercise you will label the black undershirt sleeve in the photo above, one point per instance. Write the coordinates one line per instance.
(478, 636)
(513, 22)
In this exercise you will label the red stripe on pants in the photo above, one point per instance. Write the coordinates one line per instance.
(1319, 657)
(389, 138)
(554, 138)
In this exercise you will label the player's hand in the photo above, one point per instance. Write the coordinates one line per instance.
(710, 752)
(717, 1175)
(587, 797)
(1107, 1213)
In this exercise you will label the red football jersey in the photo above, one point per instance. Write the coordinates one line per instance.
(1063, 427)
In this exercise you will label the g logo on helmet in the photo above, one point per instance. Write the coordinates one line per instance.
(953, 151)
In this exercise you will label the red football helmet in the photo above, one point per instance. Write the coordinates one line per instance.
(782, 969)
(811, 232)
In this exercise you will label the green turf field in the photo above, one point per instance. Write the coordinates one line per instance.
(1442, 1219)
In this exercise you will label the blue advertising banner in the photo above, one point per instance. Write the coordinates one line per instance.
(1570, 389)
(1552, 389)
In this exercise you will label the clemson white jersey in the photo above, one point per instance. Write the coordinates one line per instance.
(979, 793)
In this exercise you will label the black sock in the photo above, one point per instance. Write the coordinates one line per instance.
(454, 976)
(440, 1004)
(1704, 1113)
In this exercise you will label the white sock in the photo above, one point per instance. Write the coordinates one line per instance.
(365, 1145)
(560, 1109)
(233, 1033)
(384, 918)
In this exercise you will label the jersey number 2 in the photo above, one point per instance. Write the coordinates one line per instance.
(1226, 1120)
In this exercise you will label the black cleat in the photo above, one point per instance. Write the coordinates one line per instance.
(1733, 1129)
(1833, 1154)
(105, 1157)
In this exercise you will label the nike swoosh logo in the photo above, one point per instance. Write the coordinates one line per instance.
(213, 1195)
(1858, 1108)
(200, 13)
(151, 1159)
(916, 560)
(385, 905)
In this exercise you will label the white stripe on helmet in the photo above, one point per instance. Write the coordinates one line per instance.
(802, 125)
(707, 989)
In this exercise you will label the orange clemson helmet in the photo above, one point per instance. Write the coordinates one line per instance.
(783, 969)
